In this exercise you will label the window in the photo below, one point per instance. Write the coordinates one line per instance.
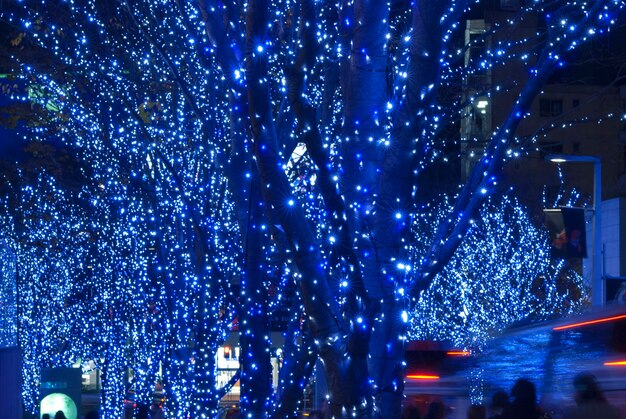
(510, 4)
(551, 147)
(476, 47)
(550, 107)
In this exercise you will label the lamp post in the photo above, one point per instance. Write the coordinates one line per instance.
(597, 283)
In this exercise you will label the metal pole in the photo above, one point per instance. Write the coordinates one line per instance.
(597, 280)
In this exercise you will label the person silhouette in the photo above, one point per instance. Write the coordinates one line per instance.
(436, 410)
(590, 402)
(410, 412)
(524, 403)
(499, 402)
(477, 411)
(60, 415)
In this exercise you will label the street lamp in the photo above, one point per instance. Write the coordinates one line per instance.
(597, 283)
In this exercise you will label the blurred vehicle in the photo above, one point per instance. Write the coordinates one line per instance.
(436, 372)
(549, 354)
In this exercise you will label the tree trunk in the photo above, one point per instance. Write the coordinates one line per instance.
(343, 371)
(254, 338)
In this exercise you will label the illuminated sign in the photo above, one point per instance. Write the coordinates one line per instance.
(54, 402)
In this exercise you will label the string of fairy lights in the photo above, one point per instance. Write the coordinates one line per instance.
(141, 269)
(8, 287)
(512, 258)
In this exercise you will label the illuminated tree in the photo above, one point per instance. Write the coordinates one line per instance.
(64, 317)
(163, 100)
(501, 273)
(91, 271)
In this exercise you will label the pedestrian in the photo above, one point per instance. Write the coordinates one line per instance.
(499, 402)
(436, 410)
(410, 412)
(477, 411)
(524, 403)
(60, 415)
(45, 416)
(590, 402)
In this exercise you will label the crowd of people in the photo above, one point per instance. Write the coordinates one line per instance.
(58, 415)
(522, 404)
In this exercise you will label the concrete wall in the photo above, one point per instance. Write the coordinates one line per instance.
(614, 236)
(614, 246)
